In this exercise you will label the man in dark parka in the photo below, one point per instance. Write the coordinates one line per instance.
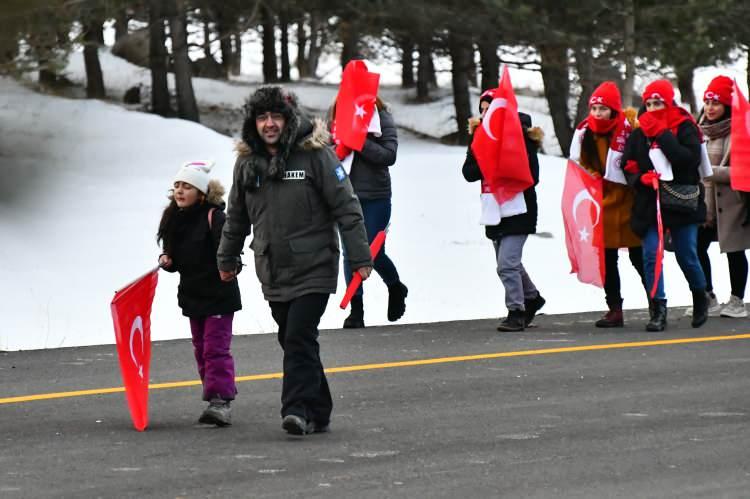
(291, 190)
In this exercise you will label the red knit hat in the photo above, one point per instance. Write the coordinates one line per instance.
(608, 95)
(659, 89)
(720, 89)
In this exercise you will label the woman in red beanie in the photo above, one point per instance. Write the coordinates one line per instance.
(597, 145)
(663, 157)
(727, 209)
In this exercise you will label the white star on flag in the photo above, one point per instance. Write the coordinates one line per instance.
(359, 111)
(584, 234)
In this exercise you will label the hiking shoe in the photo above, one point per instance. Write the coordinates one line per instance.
(295, 425)
(217, 413)
(714, 307)
(321, 427)
(516, 321)
(735, 308)
(658, 312)
(532, 307)
(356, 317)
(397, 300)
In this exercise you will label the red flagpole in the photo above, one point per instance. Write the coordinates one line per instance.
(660, 247)
(356, 282)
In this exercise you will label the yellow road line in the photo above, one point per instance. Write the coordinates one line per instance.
(391, 365)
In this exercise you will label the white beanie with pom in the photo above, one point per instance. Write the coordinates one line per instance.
(195, 173)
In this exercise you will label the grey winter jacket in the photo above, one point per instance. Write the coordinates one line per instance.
(369, 175)
(294, 218)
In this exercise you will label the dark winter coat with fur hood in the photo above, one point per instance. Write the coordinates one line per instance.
(294, 202)
(191, 243)
(524, 223)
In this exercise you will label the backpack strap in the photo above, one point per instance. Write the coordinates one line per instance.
(210, 217)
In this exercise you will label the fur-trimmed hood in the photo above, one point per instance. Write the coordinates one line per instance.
(216, 193)
(298, 131)
(313, 134)
(631, 114)
(534, 133)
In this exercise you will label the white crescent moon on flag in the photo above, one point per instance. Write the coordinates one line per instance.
(581, 197)
(494, 105)
(137, 326)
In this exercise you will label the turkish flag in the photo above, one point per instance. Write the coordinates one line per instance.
(355, 104)
(131, 313)
(499, 146)
(582, 217)
(739, 173)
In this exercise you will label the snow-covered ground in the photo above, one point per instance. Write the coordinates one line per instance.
(84, 183)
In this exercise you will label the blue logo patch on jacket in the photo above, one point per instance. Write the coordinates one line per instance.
(340, 173)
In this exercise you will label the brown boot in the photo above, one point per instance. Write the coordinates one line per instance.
(613, 318)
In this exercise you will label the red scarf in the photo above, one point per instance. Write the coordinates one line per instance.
(602, 127)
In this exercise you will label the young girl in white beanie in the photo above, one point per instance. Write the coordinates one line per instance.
(190, 231)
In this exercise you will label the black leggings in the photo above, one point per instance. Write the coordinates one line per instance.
(737, 263)
(612, 273)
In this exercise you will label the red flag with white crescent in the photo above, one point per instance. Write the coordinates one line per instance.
(739, 173)
(583, 220)
(355, 104)
(499, 145)
(131, 313)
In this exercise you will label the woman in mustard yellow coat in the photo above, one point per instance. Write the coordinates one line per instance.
(597, 145)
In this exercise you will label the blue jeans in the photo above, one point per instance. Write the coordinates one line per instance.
(377, 213)
(685, 242)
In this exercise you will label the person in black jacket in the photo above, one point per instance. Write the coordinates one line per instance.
(509, 233)
(371, 179)
(190, 231)
(667, 141)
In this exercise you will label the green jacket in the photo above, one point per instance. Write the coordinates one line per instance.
(294, 215)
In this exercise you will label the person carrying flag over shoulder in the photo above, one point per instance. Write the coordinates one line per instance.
(664, 158)
(360, 117)
(597, 146)
(292, 191)
(508, 224)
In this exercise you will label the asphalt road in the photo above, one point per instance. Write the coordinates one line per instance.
(624, 419)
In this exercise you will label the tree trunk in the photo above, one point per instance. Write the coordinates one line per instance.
(317, 41)
(554, 67)
(302, 64)
(223, 28)
(206, 39)
(158, 60)
(94, 78)
(121, 24)
(461, 61)
(285, 66)
(685, 84)
(423, 71)
(407, 63)
(187, 107)
(472, 69)
(270, 66)
(629, 53)
(349, 36)
(490, 62)
(586, 79)
(236, 65)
